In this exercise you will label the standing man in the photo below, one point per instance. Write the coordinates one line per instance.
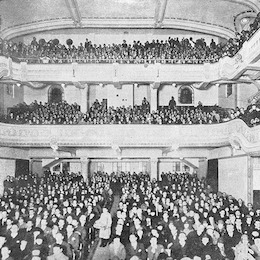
(104, 224)
(172, 103)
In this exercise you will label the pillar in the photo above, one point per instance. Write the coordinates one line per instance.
(153, 103)
(85, 168)
(236, 94)
(84, 99)
(61, 166)
(154, 168)
(250, 169)
(203, 168)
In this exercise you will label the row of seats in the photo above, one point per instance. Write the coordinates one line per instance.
(173, 50)
(64, 113)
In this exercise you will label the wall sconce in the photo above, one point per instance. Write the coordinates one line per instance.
(18, 84)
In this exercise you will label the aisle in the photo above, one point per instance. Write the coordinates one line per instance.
(115, 205)
(101, 253)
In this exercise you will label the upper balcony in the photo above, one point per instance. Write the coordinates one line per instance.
(244, 66)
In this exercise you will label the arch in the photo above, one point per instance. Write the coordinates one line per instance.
(55, 94)
(186, 95)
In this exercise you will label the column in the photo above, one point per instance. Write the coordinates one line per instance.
(85, 168)
(250, 179)
(203, 168)
(235, 94)
(153, 103)
(84, 99)
(154, 168)
(61, 166)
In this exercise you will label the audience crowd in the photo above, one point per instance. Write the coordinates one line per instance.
(173, 50)
(51, 217)
(180, 217)
(58, 216)
(98, 114)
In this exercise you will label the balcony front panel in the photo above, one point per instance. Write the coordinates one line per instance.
(128, 135)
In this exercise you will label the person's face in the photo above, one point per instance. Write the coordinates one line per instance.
(116, 240)
(69, 228)
(257, 242)
(5, 251)
(153, 241)
(205, 240)
(244, 239)
(248, 220)
(14, 228)
(230, 228)
(38, 241)
(56, 250)
(132, 239)
(220, 225)
(182, 237)
(2, 241)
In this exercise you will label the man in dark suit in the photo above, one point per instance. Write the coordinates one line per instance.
(135, 249)
(117, 249)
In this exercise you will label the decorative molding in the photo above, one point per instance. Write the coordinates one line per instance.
(38, 26)
(160, 12)
(238, 18)
(68, 23)
(74, 11)
(197, 26)
(252, 4)
(173, 137)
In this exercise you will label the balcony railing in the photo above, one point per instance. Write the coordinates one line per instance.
(46, 60)
(217, 135)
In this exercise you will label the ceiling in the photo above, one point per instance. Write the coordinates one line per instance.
(20, 17)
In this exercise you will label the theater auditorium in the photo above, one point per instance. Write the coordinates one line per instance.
(129, 130)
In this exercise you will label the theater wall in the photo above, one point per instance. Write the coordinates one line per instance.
(110, 36)
(233, 176)
(10, 95)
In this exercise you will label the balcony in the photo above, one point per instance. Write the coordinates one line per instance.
(235, 133)
(245, 61)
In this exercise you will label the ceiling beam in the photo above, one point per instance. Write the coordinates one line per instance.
(160, 12)
(73, 7)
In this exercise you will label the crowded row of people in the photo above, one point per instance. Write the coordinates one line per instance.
(47, 113)
(173, 50)
(51, 217)
(98, 114)
(178, 218)
(56, 217)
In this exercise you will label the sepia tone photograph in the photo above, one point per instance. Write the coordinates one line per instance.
(129, 130)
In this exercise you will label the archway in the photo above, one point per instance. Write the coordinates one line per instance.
(55, 94)
(186, 95)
